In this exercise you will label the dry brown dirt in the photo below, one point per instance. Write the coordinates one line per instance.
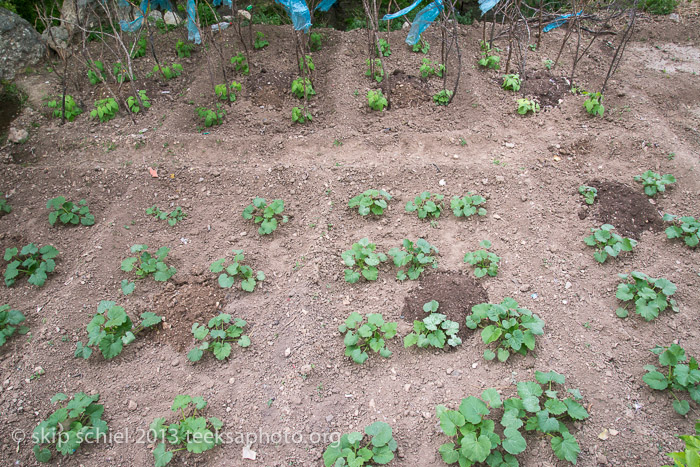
(529, 169)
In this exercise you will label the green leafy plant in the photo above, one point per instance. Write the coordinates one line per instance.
(96, 72)
(211, 117)
(421, 46)
(653, 182)
(443, 97)
(192, 432)
(548, 64)
(378, 73)
(111, 329)
(427, 205)
(511, 82)
(376, 100)
(78, 421)
(594, 104)
(434, 331)
(377, 445)
(139, 50)
(121, 73)
(105, 109)
(413, 258)
(30, 261)
(539, 408)
(362, 259)
(236, 269)
(650, 296)
(10, 323)
(72, 110)
(300, 115)
(302, 88)
(383, 48)
(589, 193)
(217, 337)
(484, 262)
(69, 213)
(682, 374)
(132, 102)
(371, 201)
(168, 72)
(527, 105)
(173, 217)
(469, 205)
(145, 264)
(184, 49)
(659, 7)
(691, 454)
(241, 63)
(315, 42)
(488, 58)
(361, 335)
(268, 216)
(608, 243)
(260, 41)
(426, 69)
(511, 327)
(687, 228)
(5, 208)
(308, 62)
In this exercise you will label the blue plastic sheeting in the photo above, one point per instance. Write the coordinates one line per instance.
(486, 5)
(424, 18)
(559, 22)
(192, 30)
(325, 5)
(135, 25)
(228, 3)
(298, 11)
(405, 11)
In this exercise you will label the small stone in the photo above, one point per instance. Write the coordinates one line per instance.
(306, 369)
(568, 285)
(500, 179)
(243, 234)
(450, 370)
(601, 459)
(442, 182)
(525, 287)
(372, 404)
(475, 364)
(439, 384)
(231, 380)
(175, 362)
(210, 384)
(496, 216)
(674, 17)
(244, 14)
(509, 145)
(406, 387)
(287, 352)
(17, 136)
(133, 405)
(171, 18)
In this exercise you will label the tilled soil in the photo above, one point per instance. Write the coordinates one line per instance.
(294, 379)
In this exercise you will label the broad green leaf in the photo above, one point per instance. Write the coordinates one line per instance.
(380, 432)
(161, 456)
(514, 443)
(473, 409)
(450, 421)
(566, 447)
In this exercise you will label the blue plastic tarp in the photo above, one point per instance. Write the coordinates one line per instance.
(192, 29)
(299, 12)
(136, 24)
(325, 5)
(399, 13)
(559, 21)
(423, 20)
(486, 5)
